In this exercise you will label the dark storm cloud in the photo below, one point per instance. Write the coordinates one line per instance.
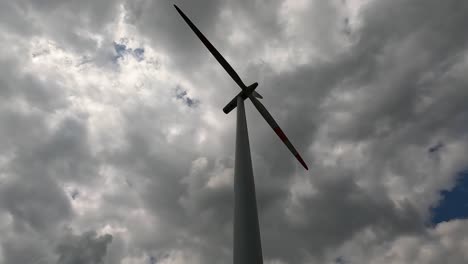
(334, 214)
(30, 194)
(37, 202)
(396, 51)
(36, 159)
(159, 21)
(26, 249)
(18, 86)
(387, 64)
(85, 248)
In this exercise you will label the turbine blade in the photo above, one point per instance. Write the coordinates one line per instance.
(257, 95)
(261, 108)
(213, 50)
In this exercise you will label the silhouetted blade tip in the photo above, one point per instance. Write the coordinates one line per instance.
(301, 161)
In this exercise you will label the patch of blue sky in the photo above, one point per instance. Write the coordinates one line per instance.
(122, 50)
(139, 54)
(181, 94)
(453, 203)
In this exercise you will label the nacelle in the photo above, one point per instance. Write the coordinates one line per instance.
(244, 94)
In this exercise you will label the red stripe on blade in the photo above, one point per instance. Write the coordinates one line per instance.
(298, 157)
(280, 133)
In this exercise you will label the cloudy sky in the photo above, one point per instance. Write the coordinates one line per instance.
(114, 147)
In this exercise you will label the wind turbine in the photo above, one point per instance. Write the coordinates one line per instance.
(247, 244)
